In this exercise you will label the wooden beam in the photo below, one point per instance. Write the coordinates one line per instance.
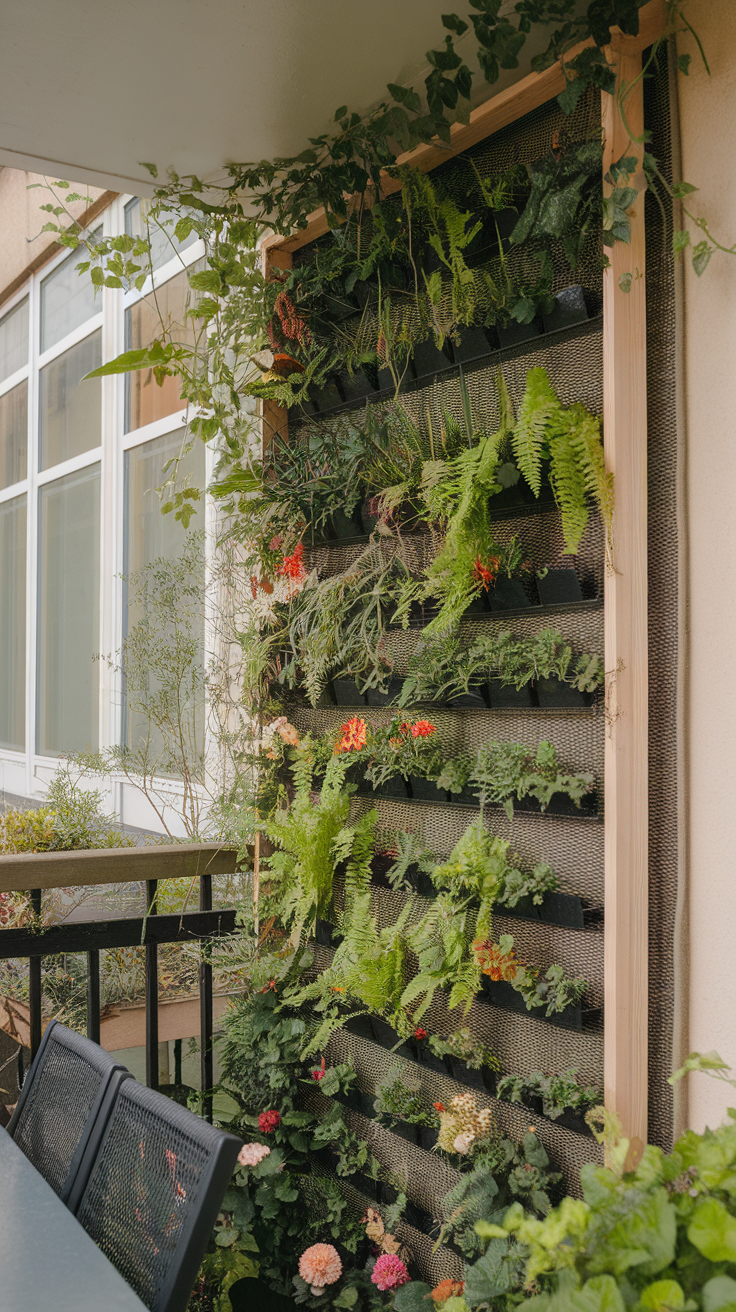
(123, 1026)
(502, 109)
(115, 865)
(626, 649)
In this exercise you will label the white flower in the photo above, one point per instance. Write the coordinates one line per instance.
(463, 1142)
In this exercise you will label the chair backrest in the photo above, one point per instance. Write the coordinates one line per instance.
(150, 1195)
(63, 1104)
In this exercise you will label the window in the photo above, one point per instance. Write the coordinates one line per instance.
(13, 623)
(13, 435)
(164, 245)
(149, 535)
(67, 301)
(146, 400)
(70, 409)
(68, 613)
(14, 340)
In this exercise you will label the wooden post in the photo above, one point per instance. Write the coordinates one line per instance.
(626, 750)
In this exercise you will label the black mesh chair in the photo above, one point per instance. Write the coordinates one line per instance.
(64, 1103)
(149, 1196)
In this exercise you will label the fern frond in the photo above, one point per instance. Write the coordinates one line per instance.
(568, 486)
(585, 440)
(531, 433)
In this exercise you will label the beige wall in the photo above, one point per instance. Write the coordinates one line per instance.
(708, 125)
(22, 243)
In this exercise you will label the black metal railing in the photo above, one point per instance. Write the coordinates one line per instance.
(123, 865)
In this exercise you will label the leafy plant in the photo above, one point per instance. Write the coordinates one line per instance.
(559, 1093)
(504, 771)
(503, 1172)
(553, 990)
(476, 867)
(519, 885)
(569, 438)
(399, 1098)
(546, 655)
(465, 1047)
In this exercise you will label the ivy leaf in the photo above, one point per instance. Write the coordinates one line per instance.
(151, 168)
(681, 189)
(680, 241)
(701, 257)
(683, 63)
(663, 1296)
(713, 1231)
(412, 1297)
(454, 24)
(406, 96)
(624, 282)
(568, 99)
(341, 112)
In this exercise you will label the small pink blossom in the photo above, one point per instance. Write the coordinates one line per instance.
(252, 1153)
(389, 1272)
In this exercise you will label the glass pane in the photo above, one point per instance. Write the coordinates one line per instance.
(14, 340)
(145, 400)
(68, 613)
(149, 536)
(13, 435)
(68, 299)
(13, 624)
(69, 410)
(164, 245)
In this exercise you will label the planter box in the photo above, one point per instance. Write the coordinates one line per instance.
(505, 695)
(421, 1054)
(468, 700)
(428, 1137)
(393, 690)
(501, 994)
(559, 587)
(396, 786)
(340, 525)
(571, 1120)
(466, 798)
(559, 805)
(459, 1070)
(347, 693)
(403, 1130)
(326, 397)
(426, 790)
(428, 359)
(360, 1026)
(355, 387)
(508, 594)
(513, 333)
(387, 1036)
(478, 607)
(554, 692)
(475, 342)
(556, 909)
(570, 308)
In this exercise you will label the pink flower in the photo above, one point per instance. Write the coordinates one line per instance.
(252, 1153)
(320, 1265)
(389, 1272)
(267, 1121)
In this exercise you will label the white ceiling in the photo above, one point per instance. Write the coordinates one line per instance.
(89, 88)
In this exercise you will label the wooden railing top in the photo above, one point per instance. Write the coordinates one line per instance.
(114, 865)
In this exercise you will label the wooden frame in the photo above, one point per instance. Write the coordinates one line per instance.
(626, 637)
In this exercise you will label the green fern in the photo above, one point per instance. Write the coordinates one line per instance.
(530, 439)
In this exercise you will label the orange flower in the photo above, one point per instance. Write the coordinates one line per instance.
(496, 964)
(354, 735)
(447, 1289)
(293, 566)
(422, 729)
(487, 574)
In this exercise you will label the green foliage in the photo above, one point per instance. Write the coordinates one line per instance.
(552, 990)
(559, 1093)
(463, 1045)
(502, 1174)
(504, 771)
(569, 438)
(534, 884)
(311, 841)
(443, 944)
(477, 867)
(71, 820)
(399, 1098)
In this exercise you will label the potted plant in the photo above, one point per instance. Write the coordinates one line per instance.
(559, 587)
(509, 983)
(507, 773)
(467, 1059)
(400, 1106)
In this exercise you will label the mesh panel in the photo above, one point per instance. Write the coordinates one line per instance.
(663, 648)
(146, 1181)
(59, 1103)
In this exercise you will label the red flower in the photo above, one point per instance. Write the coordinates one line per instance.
(354, 736)
(486, 575)
(268, 1121)
(422, 729)
(419, 1033)
(439, 1106)
(319, 1071)
(292, 566)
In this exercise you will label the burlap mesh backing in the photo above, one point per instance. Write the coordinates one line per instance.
(572, 845)
(663, 647)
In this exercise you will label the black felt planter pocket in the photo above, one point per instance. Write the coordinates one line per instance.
(512, 333)
(506, 696)
(326, 934)
(384, 1033)
(377, 698)
(426, 790)
(508, 594)
(467, 797)
(559, 804)
(340, 525)
(328, 396)
(428, 1136)
(556, 909)
(555, 692)
(356, 386)
(428, 359)
(559, 587)
(423, 1057)
(404, 1130)
(501, 994)
(396, 786)
(575, 1121)
(347, 693)
(465, 1074)
(478, 607)
(468, 701)
(570, 308)
(474, 343)
(361, 1027)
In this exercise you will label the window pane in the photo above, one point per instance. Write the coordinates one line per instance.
(149, 535)
(13, 435)
(164, 245)
(67, 300)
(68, 613)
(14, 340)
(145, 400)
(70, 410)
(12, 623)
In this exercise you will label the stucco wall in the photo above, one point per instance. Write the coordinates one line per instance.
(22, 243)
(708, 126)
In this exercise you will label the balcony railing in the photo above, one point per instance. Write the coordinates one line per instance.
(128, 865)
